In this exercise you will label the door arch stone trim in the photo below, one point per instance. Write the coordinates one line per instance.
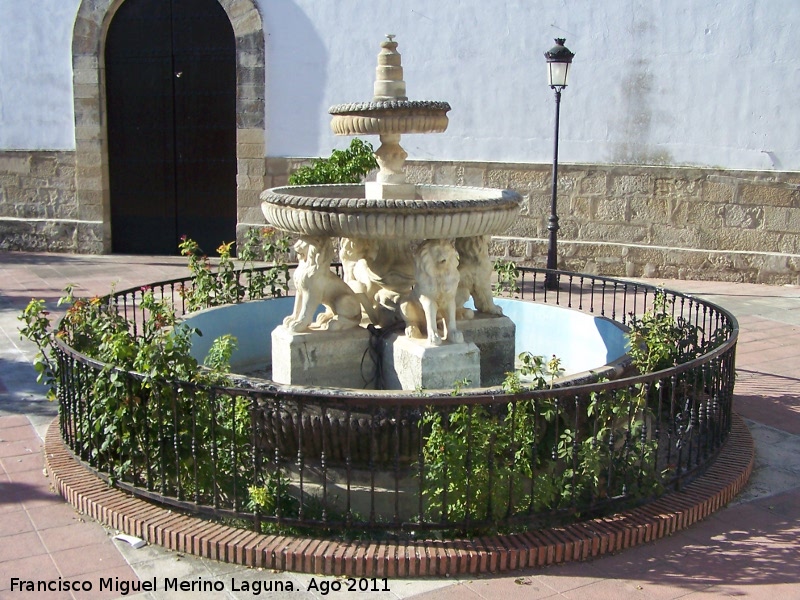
(91, 140)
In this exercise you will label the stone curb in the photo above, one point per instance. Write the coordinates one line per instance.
(580, 541)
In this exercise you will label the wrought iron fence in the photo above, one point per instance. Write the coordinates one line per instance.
(409, 464)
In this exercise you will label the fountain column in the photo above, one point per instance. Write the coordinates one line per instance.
(390, 87)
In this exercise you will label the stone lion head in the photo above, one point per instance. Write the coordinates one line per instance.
(437, 263)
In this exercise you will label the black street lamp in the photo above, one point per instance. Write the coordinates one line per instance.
(559, 59)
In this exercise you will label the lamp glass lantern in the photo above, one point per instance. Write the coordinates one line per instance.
(559, 59)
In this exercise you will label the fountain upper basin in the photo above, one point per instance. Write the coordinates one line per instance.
(437, 212)
(389, 117)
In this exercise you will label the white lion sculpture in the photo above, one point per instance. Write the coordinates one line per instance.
(316, 284)
(433, 296)
(475, 276)
(378, 273)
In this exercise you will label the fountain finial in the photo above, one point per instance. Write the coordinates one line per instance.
(389, 84)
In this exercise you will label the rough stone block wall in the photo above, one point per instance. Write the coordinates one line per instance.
(622, 220)
(39, 210)
(633, 221)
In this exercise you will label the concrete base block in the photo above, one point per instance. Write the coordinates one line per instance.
(409, 364)
(322, 358)
(495, 338)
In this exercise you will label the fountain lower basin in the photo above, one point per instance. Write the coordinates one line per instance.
(589, 346)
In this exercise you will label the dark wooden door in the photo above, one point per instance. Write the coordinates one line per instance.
(171, 96)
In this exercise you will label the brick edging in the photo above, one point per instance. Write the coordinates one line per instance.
(724, 479)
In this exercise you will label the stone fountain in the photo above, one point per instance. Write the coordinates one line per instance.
(412, 256)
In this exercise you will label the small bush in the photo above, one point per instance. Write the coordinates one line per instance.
(343, 166)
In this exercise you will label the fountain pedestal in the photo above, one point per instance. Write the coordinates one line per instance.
(495, 338)
(321, 358)
(342, 358)
(410, 364)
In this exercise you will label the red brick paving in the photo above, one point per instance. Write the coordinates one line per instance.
(759, 538)
(40, 536)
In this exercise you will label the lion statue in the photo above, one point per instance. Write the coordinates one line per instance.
(380, 274)
(475, 277)
(433, 296)
(316, 284)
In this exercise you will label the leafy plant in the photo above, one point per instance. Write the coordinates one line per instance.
(478, 463)
(483, 463)
(539, 373)
(145, 428)
(657, 340)
(344, 166)
(507, 274)
(231, 283)
(36, 328)
(265, 245)
(273, 498)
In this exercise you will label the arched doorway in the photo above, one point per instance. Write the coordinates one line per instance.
(170, 75)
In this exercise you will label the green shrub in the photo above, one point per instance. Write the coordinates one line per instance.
(343, 166)
(483, 463)
(146, 429)
(231, 283)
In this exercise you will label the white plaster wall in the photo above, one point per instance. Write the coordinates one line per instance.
(36, 74)
(684, 82)
(654, 81)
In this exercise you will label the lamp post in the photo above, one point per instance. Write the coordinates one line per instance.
(559, 59)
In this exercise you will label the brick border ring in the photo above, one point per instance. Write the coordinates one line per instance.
(675, 511)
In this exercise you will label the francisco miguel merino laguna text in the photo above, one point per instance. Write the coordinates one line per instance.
(256, 587)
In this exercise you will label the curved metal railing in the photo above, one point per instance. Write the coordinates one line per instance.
(410, 463)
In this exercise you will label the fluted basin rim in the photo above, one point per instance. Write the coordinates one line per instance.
(341, 210)
(350, 198)
(384, 105)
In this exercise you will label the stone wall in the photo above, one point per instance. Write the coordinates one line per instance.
(631, 221)
(635, 221)
(39, 210)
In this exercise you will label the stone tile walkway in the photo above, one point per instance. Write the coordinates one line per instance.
(751, 548)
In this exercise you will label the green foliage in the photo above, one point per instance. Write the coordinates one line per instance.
(538, 373)
(483, 463)
(273, 498)
(36, 328)
(477, 458)
(265, 245)
(219, 355)
(231, 283)
(657, 340)
(507, 274)
(147, 428)
(343, 166)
